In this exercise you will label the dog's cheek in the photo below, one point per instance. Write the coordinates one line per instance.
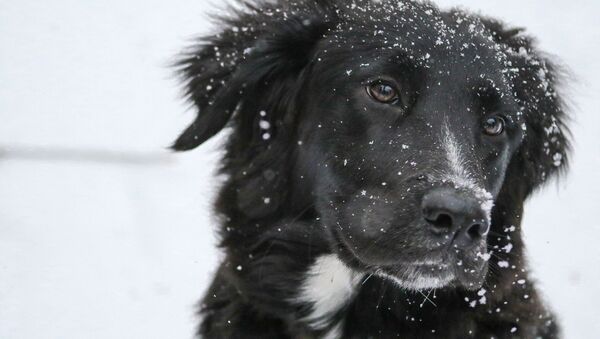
(369, 224)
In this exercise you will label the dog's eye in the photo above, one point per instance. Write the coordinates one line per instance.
(494, 125)
(383, 92)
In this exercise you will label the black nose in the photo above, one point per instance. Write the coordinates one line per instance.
(450, 212)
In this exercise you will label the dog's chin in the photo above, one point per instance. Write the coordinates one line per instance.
(418, 277)
(425, 276)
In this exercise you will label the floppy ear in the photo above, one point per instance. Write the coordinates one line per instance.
(244, 68)
(536, 82)
(250, 76)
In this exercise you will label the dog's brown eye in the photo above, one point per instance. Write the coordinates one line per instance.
(494, 125)
(383, 92)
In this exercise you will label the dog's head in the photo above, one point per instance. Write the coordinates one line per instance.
(401, 126)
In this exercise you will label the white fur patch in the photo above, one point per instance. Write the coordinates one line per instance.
(458, 172)
(459, 175)
(335, 332)
(329, 286)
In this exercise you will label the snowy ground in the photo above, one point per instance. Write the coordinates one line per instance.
(106, 245)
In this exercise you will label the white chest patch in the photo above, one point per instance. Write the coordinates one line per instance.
(329, 285)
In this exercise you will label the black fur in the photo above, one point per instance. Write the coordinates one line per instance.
(306, 140)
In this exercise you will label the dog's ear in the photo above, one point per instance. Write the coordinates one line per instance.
(537, 83)
(248, 67)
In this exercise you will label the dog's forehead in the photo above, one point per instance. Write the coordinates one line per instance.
(420, 32)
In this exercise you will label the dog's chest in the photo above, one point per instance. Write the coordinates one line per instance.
(328, 287)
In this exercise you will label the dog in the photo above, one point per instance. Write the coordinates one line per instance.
(378, 160)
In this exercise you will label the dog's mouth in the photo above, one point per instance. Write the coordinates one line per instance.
(451, 269)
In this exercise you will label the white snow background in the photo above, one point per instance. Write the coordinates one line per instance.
(118, 242)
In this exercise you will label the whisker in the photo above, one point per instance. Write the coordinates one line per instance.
(367, 278)
(426, 299)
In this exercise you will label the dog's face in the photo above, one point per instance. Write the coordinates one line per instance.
(412, 145)
(399, 123)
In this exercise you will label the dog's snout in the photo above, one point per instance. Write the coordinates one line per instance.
(456, 214)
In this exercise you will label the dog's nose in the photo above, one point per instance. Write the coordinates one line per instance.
(450, 212)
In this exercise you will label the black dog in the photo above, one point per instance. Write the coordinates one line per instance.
(379, 157)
